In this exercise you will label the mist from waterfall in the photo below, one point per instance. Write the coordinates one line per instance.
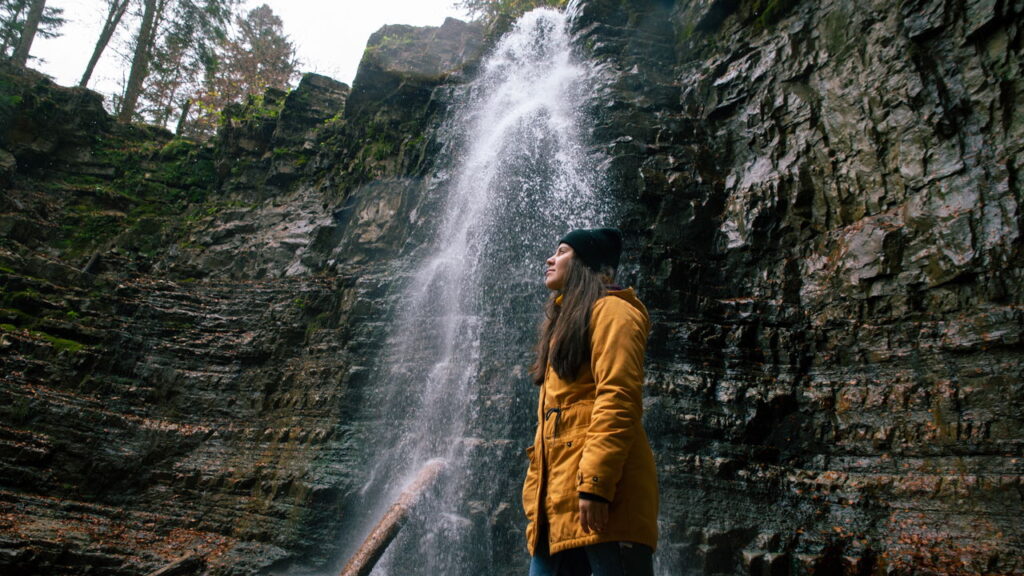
(453, 377)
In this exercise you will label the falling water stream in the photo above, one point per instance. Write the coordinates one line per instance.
(518, 177)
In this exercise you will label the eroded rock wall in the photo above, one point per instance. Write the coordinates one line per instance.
(186, 327)
(829, 202)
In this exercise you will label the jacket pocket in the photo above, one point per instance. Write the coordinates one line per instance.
(568, 421)
(564, 463)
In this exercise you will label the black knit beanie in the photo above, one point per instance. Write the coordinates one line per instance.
(596, 247)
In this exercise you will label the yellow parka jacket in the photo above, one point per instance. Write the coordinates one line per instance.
(590, 438)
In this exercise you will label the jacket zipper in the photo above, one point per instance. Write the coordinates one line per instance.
(558, 415)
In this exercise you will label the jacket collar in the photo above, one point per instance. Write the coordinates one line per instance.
(610, 287)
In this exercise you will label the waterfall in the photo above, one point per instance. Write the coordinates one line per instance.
(453, 378)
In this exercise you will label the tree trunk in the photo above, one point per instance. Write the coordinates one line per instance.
(362, 563)
(113, 19)
(186, 107)
(187, 564)
(28, 33)
(140, 63)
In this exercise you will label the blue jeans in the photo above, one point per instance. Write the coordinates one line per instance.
(605, 559)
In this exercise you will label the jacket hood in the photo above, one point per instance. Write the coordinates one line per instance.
(629, 295)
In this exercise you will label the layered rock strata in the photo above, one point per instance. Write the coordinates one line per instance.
(182, 322)
(829, 205)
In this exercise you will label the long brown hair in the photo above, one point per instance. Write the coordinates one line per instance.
(565, 333)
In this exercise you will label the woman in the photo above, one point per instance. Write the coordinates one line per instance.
(591, 493)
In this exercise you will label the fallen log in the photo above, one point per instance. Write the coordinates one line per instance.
(363, 561)
(188, 564)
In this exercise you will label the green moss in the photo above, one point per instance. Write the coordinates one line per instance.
(770, 12)
(416, 141)
(200, 211)
(257, 108)
(394, 42)
(379, 150)
(688, 30)
(62, 344)
(10, 100)
(58, 343)
(156, 178)
(177, 149)
(153, 187)
(336, 120)
(21, 298)
(84, 231)
(318, 323)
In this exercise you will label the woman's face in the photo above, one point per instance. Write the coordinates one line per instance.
(558, 267)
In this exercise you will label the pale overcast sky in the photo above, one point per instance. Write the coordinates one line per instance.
(329, 35)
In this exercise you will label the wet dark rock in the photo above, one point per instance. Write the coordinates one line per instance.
(42, 125)
(316, 100)
(204, 341)
(403, 64)
(8, 166)
(266, 145)
(811, 253)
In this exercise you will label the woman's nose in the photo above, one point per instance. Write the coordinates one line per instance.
(550, 261)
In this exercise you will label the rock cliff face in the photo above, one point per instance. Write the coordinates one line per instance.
(182, 324)
(824, 211)
(829, 202)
